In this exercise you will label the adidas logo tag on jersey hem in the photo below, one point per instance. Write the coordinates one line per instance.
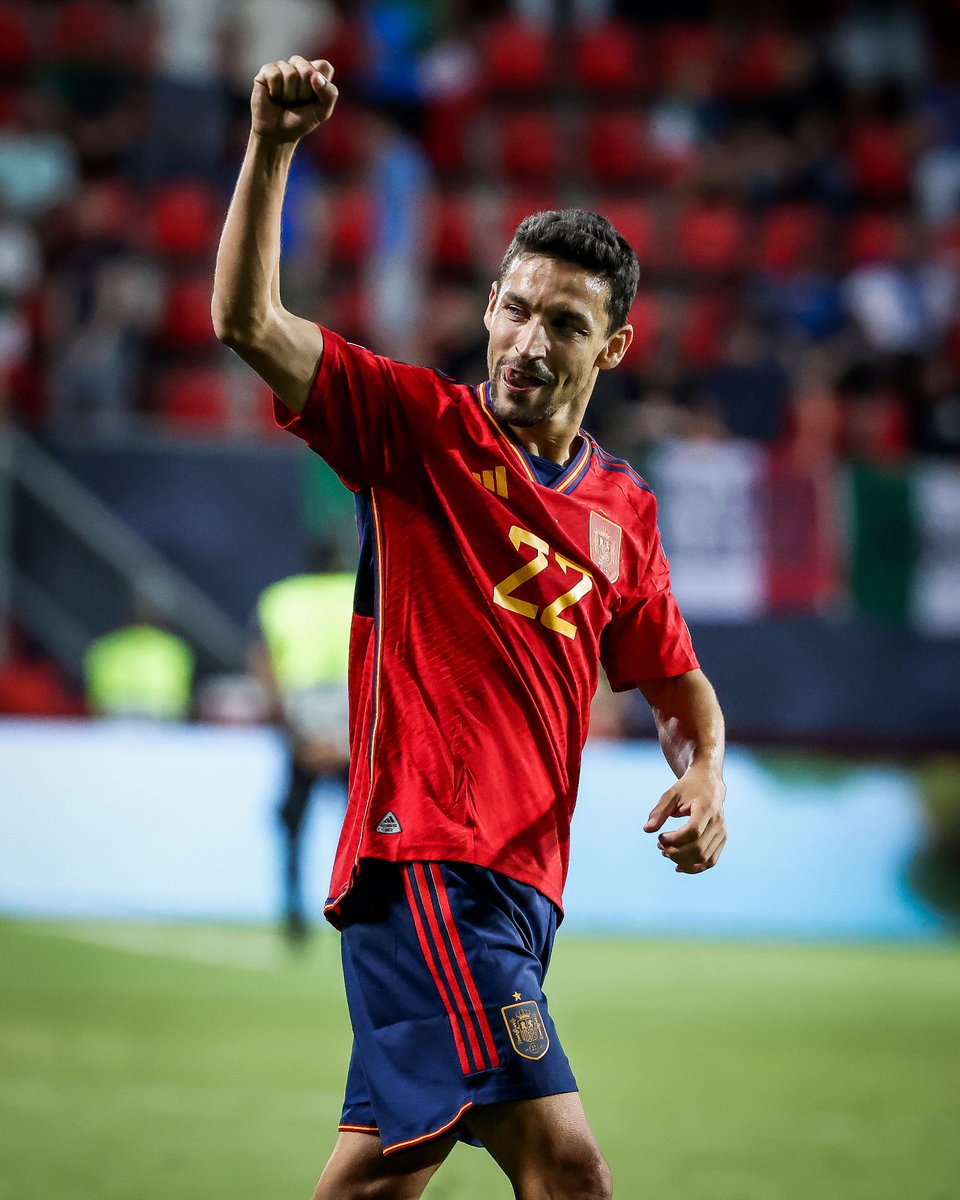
(389, 824)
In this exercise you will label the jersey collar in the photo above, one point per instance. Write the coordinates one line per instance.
(575, 470)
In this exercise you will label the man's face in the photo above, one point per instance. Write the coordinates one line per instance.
(548, 338)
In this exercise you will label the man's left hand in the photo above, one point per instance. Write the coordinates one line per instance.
(695, 846)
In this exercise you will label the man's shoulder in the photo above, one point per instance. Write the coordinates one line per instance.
(621, 474)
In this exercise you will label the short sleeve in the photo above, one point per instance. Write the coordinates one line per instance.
(648, 638)
(357, 414)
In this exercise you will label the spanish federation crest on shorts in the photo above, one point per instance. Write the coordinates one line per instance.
(605, 538)
(528, 1034)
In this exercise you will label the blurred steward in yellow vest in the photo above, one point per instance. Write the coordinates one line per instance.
(139, 671)
(301, 659)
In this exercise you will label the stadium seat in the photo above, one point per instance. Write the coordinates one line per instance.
(871, 237)
(85, 30)
(616, 147)
(445, 133)
(789, 236)
(689, 54)
(711, 237)
(880, 161)
(756, 67)
(338, 146)
(517, 56)
(528, 146)
(15, 40)
(186, 324)
(635, 221)
(184, 220)
(646, 317)
(608, 59)
(350, 227)
(704, 325)
(451, 233)
(192, 399)
(517, 205)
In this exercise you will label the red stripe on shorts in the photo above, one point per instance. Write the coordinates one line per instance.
(454, 984)
(478, 1009)
(431, 963)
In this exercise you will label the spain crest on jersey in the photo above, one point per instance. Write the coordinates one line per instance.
(528, 1034)
(605, 539)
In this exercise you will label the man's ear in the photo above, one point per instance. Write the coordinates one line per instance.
(615, 348)
(491, 304)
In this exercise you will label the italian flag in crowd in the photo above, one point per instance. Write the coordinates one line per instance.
(750, 533)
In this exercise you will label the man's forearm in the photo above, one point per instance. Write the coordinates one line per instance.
(247, 283)
(689, 721)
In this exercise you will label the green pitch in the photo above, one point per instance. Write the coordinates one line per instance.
(202, 1063)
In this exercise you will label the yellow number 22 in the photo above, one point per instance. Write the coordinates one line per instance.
(550, 617)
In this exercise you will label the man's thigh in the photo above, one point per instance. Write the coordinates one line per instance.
(545, 1146)
(358, 1168)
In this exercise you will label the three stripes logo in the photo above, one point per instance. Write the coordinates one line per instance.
(389, 824)
(493, 481)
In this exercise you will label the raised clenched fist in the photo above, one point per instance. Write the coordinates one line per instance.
(291, 98)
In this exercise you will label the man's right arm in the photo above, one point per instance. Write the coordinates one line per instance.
(289, 100)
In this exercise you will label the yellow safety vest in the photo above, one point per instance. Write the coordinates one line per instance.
(140, 671)
(305, 622)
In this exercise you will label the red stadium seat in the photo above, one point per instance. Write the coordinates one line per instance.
(789, 237)
(192, 398)
(634, 220)
(446, 128)
(517, 57)
(185, 220)
(452, 233)
(616, 147)
(529, 149)
(711, 238)
(186, 324)
(646, 317)
(85, 30)
(757, 66)
(704, 327)
(338, 145)
(517, 205)
(351, 220)
(871, 237)
(16, 43)
(880, 161)
(608, 59)
(689, 54)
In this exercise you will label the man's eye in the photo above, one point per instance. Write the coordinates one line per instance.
(514, 309)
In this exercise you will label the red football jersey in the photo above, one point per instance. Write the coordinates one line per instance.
(485, 602)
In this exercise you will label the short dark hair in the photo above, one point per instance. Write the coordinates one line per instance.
(579, 236)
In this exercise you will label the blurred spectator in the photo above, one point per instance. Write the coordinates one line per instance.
(904, 305)
(265, 32)
(188, 105)
(878, 42)
(38, 166)
(300, 658)
(104, 304)
(399, 178)
(140, 671)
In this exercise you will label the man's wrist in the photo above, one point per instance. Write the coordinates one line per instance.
(270, 153)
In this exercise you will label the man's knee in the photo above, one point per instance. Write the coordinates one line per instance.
(576, 1172)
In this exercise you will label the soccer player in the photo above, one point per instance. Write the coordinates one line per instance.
(504, 557)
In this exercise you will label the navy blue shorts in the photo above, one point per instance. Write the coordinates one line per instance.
(444, 966)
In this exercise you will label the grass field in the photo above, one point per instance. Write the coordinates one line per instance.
(140, 1063)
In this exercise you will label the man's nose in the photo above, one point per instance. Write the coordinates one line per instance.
(531, 339)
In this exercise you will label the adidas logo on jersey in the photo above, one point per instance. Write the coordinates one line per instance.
(493, 481)
(388, 824)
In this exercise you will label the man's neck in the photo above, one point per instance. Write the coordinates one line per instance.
(555, 447)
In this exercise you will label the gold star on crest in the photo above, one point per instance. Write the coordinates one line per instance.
(517, 996)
